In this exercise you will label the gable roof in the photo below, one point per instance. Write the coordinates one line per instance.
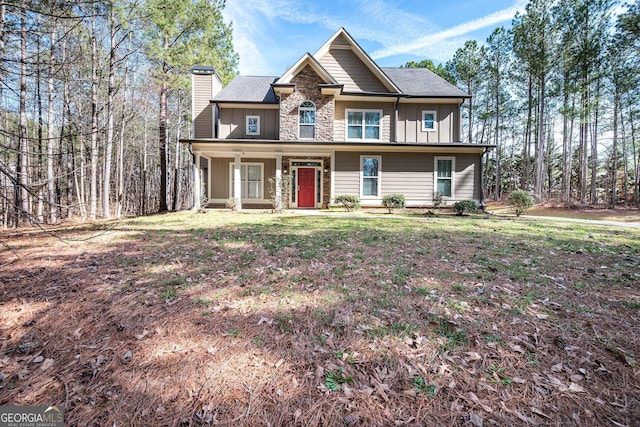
(249, 89)
(343, 40)
(307, 59)
(421, 82)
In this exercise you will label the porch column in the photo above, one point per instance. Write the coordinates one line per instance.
(197, 181)
(278, 183)
(237, 183)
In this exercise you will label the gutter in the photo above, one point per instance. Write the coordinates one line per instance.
(395, 126)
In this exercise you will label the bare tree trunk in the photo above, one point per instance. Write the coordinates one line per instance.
(106, 183)
(566, 153)
(614, 153)
(594, 149)
(540, 149)
(176, 175)
(93, 184)
(144, 170)
(51, 188)
(23, 152)
(526, 147)
(625, 161)
(162, 129)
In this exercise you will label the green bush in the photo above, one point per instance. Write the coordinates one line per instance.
(391, 201)
(520, 201)
(465, 206)
(348, 201)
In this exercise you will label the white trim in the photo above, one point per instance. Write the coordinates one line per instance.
(318, 203)
(363, 111)
(307, 58)
(332, 192)
(453, 174)
(209, 172)
(232, 181)
(246, 125)
(315, 121)
(377, 196)
(435, 121)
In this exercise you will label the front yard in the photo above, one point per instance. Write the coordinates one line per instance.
(260, 319)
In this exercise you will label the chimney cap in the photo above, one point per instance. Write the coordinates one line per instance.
(203, 69)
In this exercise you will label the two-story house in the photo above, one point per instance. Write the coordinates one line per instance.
(334, 123)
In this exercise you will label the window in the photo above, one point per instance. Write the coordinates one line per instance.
(370, 176)
(363, 124)
(429, 121)
(253, 125)
(444, 174)
(250, 180)
(307, 113)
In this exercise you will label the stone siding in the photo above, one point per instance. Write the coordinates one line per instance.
(307, 88)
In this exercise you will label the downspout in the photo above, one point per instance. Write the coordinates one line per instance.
(395, 126)
(483, 206)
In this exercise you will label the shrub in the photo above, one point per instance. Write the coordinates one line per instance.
(520, 201)
(437, 199)
(465, 206)
(348, 201)
(391, 201)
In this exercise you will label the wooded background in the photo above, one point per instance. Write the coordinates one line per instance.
(94, 96)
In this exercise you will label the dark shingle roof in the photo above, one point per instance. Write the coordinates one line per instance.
(422, 82)
(248, 89)
(418, 82)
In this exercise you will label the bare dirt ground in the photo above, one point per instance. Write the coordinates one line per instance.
(260, 319)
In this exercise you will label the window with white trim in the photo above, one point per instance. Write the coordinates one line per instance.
(251, 180)
(444, 175)
(429, 121)
(370, 167)
(363, 124)
(307, 120)
(252, 125)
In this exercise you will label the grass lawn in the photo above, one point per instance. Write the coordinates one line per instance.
(259, 319)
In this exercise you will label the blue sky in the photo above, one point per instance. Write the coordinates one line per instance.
(271, 35)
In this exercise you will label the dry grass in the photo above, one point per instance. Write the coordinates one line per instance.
(621, 214)
(258, 319)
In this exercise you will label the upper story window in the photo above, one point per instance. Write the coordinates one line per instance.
(363, 124)
(253, 125)
(307, 113)
(429, 121)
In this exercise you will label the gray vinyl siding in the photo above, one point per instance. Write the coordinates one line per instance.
(410, 123)
(408, 173)
(233, 123)
(347, 174)
(467, 177)
(386, 130)
(348, 69)
(202, 108)
(220, 175)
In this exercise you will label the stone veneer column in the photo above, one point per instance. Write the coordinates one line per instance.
(307, 88)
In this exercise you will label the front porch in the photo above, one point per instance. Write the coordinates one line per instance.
(222, 176)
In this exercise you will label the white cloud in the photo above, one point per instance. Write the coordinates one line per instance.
(425, 44)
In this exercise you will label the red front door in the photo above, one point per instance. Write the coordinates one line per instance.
(306, 188)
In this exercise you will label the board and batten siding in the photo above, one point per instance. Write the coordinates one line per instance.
(233, 122)
(340, 125)
(203, 88)
(345, 66)
(410, 123)
(408, 173)
(220, 175)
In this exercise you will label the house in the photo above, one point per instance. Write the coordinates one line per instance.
(334, 123)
